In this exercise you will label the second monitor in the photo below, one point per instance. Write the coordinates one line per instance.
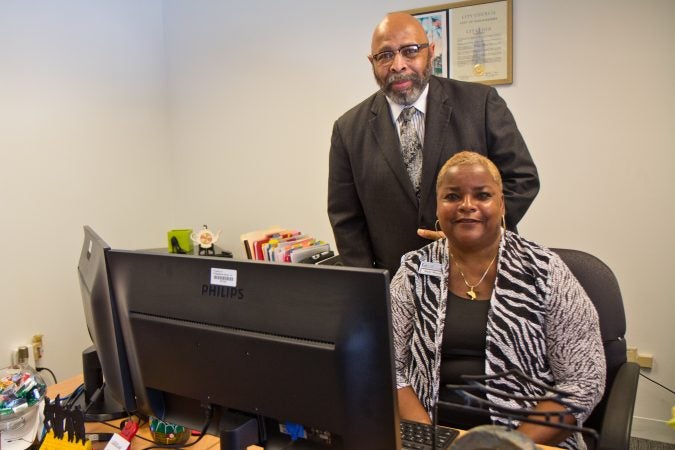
(300, 343)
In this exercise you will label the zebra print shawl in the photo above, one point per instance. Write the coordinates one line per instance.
(540, 321)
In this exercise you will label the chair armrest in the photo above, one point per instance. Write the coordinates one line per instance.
(618, 419)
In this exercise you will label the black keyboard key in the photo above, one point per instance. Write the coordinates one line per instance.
(418, 436)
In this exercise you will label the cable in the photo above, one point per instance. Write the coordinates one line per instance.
(657, 383)
(209, 417)
(40, 369)
(119, 427)
(94, 398)
(72, 398)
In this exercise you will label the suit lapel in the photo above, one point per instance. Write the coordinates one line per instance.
(437, 131)
(389, 145)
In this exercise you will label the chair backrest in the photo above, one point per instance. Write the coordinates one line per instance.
(601, 285)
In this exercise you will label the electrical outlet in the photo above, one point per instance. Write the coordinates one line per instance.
(31, 356)
(645, 361)
(38, 348)
(632, 354)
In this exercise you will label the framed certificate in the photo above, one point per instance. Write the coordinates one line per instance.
(472, 39)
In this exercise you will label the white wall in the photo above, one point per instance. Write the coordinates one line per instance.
(255, 88)
(229, 108)
(595, 98)
(82, 141)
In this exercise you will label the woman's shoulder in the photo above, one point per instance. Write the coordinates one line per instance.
(521, 248)
(434, 251)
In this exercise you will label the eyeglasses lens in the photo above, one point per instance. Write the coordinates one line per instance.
(408, 52)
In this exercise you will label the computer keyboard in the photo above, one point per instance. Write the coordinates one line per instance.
(417, 436)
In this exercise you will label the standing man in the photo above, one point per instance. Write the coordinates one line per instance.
(385, 155)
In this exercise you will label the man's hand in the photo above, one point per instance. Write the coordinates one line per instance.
(430, 234)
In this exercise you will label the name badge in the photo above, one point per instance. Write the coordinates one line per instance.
(431, 268)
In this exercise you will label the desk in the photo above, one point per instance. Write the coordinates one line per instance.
(67, 386)
(208, 442)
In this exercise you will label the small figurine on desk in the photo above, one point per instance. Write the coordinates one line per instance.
(205, 239)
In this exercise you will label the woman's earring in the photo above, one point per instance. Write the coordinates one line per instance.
(436, 226)
(503, 223)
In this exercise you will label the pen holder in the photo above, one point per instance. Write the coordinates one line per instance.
(166, 433)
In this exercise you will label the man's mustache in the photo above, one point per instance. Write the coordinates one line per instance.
(393, 78)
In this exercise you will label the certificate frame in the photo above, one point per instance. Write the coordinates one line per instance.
(476, 39)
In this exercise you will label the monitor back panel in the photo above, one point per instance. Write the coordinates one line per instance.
(308, 344)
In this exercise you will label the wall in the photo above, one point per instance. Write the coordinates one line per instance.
(596, 101)
(255, 88)
(228, 108)
(82, 141)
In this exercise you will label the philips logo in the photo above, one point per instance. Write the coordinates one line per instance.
(222, 291)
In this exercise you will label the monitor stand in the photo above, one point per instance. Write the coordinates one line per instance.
(238, 430)
(104, 407)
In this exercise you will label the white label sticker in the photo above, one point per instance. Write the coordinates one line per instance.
(430, 268)
(224, 277)
(117, 443)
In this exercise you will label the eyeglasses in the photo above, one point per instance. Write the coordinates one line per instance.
(407, 51)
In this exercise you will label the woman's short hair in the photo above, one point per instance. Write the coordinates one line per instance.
(469, 158)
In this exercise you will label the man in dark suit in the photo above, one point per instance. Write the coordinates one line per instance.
(381, 207)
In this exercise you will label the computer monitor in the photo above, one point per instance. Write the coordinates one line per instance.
(300, 343)
(106, 361)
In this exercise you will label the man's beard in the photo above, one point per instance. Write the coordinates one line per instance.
(411, 95)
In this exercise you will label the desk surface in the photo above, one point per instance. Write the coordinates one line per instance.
(143, 438)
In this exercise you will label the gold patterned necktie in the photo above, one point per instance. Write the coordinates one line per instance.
(411, 148)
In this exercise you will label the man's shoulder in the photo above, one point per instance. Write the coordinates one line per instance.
(458, 89)
(357, 113)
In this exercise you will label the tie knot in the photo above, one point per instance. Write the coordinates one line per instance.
(408, 113)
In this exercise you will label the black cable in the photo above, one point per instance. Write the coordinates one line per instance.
(656, 382)
(111, 425)
(72, 398)
(94, 398)
(119, 427)
(209, 417)
(40, 369)
(474, 403)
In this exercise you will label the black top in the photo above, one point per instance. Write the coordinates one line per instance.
(463, 353)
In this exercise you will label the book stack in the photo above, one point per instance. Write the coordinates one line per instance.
(284, 245)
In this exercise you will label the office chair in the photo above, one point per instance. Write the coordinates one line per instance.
(612, 417)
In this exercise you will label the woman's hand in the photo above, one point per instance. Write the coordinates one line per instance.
(410, 408)
(430, 234)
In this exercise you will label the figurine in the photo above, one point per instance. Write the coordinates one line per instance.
(206, 240)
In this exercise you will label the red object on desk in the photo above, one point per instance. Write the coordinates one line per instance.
(129, 430)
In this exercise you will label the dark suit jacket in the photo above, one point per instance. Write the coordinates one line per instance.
(372, 205)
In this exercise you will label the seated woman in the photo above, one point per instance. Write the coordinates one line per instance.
(483, 300)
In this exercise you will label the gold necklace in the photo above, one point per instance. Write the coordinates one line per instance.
(471, 292)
